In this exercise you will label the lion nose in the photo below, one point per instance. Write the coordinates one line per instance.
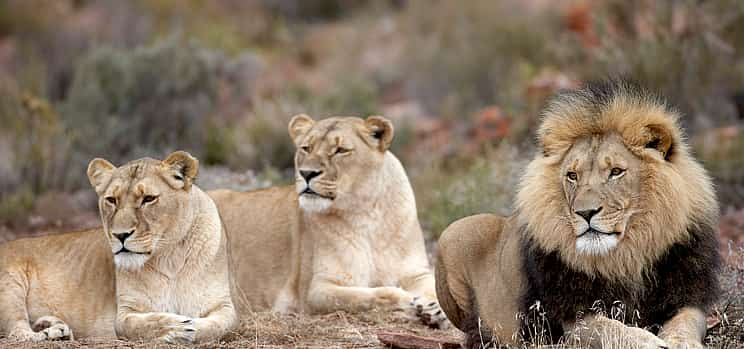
(123, 236)
(308, 175)
(588, 214)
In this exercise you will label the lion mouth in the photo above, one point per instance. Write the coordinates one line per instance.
(310, 192)
(126, 250)
(595, 232)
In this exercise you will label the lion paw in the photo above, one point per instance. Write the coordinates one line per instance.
(52, 328)
(430, 313)
(181, 330)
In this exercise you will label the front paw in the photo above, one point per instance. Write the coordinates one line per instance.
(430, 313)
(392, 297)
(52, 328)
(178, 329)
(643, 339)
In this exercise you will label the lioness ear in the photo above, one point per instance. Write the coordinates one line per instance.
(185, 168)
(99, 174)
(382, 130)
(299, 125)
(660, 139)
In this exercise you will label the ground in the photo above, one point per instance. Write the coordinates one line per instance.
(343, 330)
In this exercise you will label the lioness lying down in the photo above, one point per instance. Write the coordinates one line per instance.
(345, 237)
(158, 268)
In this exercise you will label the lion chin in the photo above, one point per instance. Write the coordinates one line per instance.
(593, 243)
(130, 261)
(314, 204)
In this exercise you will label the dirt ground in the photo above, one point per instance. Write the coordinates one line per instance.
(265, 330)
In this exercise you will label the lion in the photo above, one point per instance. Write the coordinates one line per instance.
(157, 270)
(614, 218)
(346, 236)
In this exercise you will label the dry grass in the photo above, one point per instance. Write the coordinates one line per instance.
(265, 330)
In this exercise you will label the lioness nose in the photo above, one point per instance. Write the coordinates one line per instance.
(308, 175)
(123, 236)
(588, 214)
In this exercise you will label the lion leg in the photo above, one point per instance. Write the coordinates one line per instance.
(447, 301)
(685, 330)
(14, 319)
(216, 324)
(598, 331)
(13, 312)
(424, 305)
(167, 327)
(326, 297)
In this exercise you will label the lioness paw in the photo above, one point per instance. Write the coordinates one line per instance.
(52, 328)
(430, 313)
(180, 331)
(392, 297)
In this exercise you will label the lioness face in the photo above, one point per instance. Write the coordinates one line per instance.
(601, 181)
(144, 205)
(336, 157)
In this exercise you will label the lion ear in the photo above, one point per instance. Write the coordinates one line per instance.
(99, 174)
(299, 125)
(660, 138)
(183, 169)
(382, 130)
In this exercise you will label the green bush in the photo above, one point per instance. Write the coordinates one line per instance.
(144, 102)
(446, 192)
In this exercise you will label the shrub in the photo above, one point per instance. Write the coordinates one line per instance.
(127, 104)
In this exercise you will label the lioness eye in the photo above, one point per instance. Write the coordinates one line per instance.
(340, 150)
(616, 172)
(572, 176)
(148, 198)
(305, 148)
(111, 200)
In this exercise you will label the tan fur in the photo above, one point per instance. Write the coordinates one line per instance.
(354, 245)
(663, 191)
(177, 290)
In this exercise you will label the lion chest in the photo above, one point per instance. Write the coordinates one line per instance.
(361, 255)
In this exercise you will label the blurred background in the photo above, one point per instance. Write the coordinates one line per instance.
(463, 82)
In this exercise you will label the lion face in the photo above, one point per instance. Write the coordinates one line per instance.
(337, 158)
(614, 185)
(601, 181)
(144, 205)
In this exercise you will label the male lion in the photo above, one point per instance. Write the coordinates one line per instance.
(345, 237)
(613, 213)
(157, 270)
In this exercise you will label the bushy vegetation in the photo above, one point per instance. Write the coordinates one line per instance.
(221, 79)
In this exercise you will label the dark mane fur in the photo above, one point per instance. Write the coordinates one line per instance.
(684, 276)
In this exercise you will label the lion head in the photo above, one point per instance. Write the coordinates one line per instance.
(614, 184)
(338, 159)
(145, 205)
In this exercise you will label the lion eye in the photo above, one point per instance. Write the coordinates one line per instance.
(111, 200)
(340, 150)
(148, 199)
(616, 172)
(305, 148)
(572, 176)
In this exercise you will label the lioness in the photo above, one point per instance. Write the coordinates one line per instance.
(345, 237)
(157, 270)
(615, 219)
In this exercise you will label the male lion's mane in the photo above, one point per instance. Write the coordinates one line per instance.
(669, 257)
